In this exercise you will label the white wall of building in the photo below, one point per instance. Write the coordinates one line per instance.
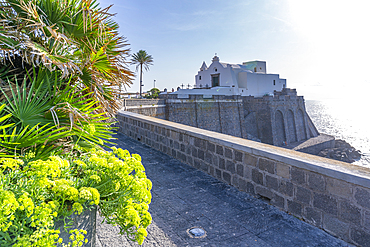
(227, 79)
(242, 79)
(241, 76)
(261, 84)
(283, 82)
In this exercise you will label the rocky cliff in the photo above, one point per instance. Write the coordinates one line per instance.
(342, 151)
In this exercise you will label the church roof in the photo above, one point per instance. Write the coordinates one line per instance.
(248, 66)
(234, 66)
(224, 65)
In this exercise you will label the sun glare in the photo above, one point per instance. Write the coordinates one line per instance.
(337, 34)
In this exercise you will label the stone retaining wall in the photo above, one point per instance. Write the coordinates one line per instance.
(152, 111)
(141, 102)
(148, 107)
(223, 114)
(331, 195)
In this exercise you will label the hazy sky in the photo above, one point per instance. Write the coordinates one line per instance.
(321, 47)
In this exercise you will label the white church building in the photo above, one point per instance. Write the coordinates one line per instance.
(246, 79)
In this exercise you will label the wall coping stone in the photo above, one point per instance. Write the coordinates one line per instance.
(181, 101)
(143, 106)
(340, 170)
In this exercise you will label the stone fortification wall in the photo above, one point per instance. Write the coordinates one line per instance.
(218, 113)
(278, 120)
(148, 107)
(328, 194)
(257, 118)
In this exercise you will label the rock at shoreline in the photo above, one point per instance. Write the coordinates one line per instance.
(342, 151)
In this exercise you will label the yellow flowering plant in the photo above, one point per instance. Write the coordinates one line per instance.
(35, 194)
(63, 62)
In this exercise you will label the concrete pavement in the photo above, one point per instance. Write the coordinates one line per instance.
(184, 198)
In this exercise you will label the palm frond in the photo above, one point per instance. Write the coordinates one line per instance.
(142, 58)
(27, 106)
(42, 140)
(75, 37)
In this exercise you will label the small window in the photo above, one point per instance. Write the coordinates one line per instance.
(215, 69)
(260, 68)
(274, 82)
(200, 78)
(255, 69)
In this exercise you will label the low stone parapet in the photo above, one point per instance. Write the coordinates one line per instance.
(157, 111)
(329, 194)
(148, 107)
(140, 102)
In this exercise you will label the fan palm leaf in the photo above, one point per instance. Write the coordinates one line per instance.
(76, 37)
(3, 134)
(42, 140)
(27, 107)
(80, 115)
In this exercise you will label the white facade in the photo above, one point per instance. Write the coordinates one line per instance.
(249, 78)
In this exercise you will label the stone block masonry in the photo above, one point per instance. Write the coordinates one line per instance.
(223, 114)
(328, 194)
(141, 102)
(280, 120)
(148, 107)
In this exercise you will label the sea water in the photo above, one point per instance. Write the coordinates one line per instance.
(344, 119)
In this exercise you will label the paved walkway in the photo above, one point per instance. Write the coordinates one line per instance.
(184, 197)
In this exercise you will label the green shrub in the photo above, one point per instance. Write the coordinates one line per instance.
(61, 63)
(36, 194)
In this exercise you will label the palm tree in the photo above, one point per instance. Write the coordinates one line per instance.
(61, 63)
(141, 58)
(74, 37)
